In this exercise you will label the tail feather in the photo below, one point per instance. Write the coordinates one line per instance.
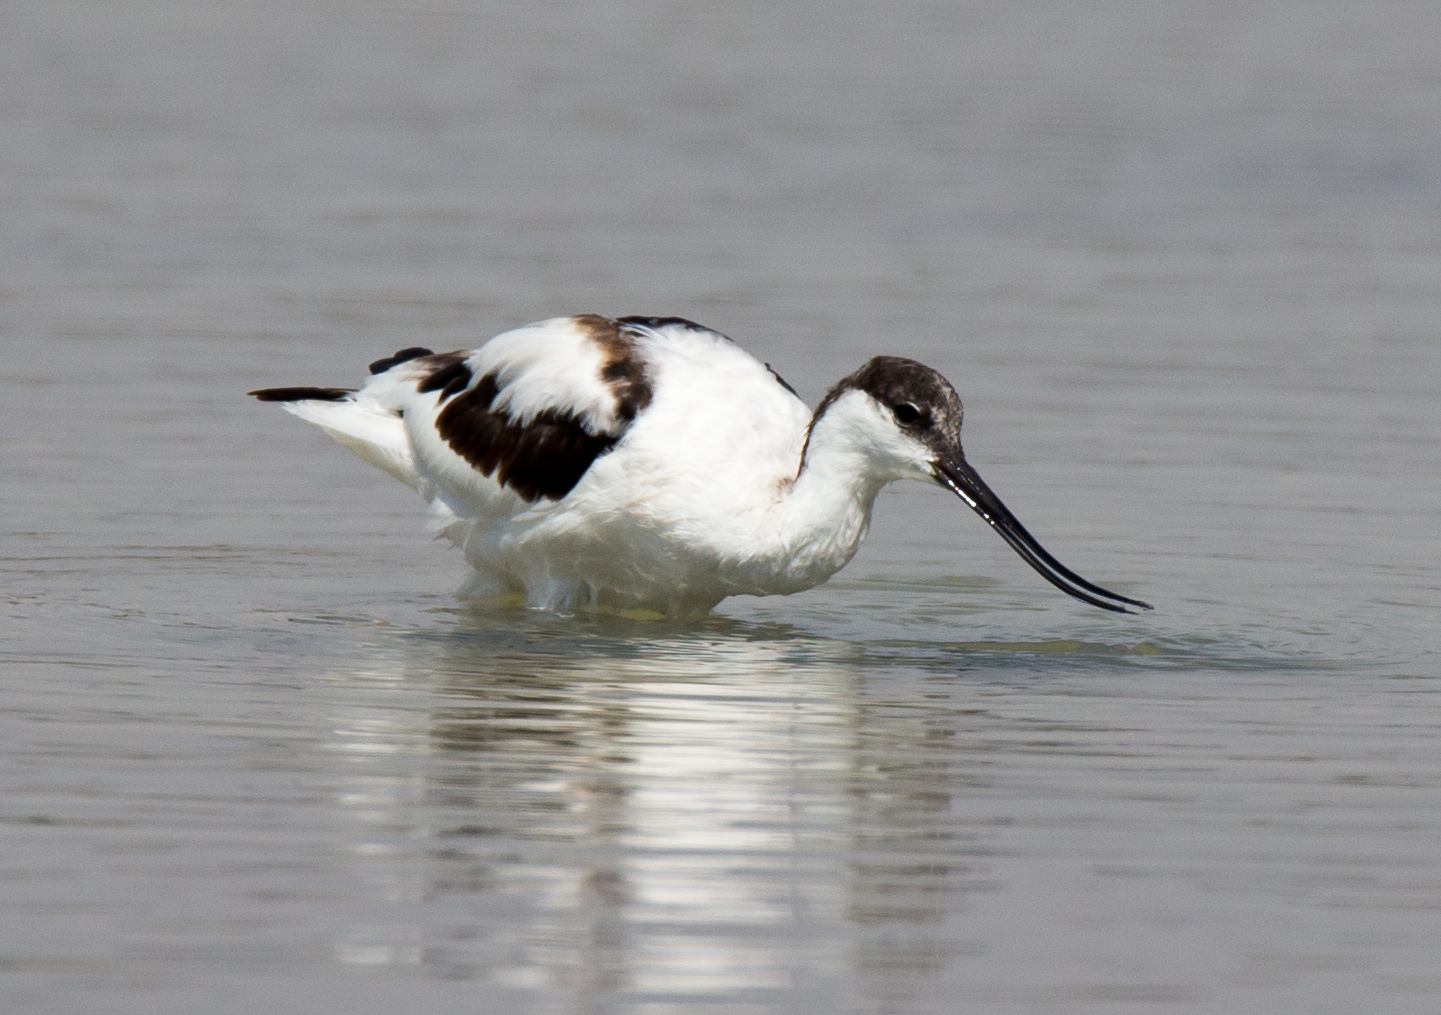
(367, 428)
(301, 394)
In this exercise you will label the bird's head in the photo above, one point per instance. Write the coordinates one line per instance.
(905, 418)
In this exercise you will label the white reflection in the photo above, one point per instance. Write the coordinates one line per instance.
(380, 946)
(653, 818)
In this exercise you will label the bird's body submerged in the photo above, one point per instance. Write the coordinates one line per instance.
(645, 462)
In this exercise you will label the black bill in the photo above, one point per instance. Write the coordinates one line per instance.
(968, 485)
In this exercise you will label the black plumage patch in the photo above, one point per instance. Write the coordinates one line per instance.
(448, 374)
(662, 322)
(548, 454)
(903, 387)
(380, 366)
(782, 381)
(302, 394)
(544, 457)
(894, 381)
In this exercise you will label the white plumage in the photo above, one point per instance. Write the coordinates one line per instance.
(651, 462)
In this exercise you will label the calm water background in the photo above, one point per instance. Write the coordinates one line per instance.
(1183, 263)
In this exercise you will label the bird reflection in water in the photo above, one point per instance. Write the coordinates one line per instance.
(688, 815)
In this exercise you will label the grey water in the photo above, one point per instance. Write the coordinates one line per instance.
(1183, 263)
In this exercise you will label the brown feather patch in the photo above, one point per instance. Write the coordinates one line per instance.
(622, 369)
(545, 457)
(548, 454)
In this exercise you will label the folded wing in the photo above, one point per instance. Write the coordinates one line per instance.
(516, 421)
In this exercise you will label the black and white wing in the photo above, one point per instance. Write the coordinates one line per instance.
(521, 418)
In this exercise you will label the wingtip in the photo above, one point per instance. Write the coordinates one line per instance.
(301, 394)
(405, 355)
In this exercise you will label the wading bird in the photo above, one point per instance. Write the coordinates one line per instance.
(649, 462)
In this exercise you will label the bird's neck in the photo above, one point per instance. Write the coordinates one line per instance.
(825, 513)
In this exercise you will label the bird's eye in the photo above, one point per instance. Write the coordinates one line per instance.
(906, 413)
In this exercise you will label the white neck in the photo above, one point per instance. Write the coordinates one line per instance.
(823, 517)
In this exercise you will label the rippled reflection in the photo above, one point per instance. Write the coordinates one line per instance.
(751, 816)
(701, 815)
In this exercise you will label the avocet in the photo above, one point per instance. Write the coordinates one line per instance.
(649, 462)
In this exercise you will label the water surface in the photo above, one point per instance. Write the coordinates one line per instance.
(1183, 267)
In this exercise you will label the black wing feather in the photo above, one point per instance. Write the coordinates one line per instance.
(302, 394)
(544, 457)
